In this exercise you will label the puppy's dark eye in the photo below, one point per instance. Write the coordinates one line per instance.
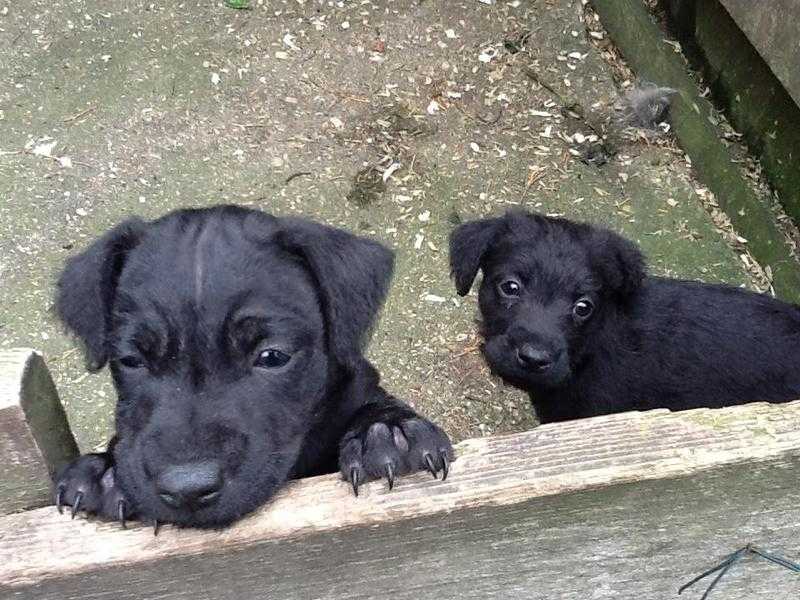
(271, 359)
(131, 362)
(583, 308)
(510, 288)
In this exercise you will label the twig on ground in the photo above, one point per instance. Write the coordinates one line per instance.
(81, 114)
(294, 176)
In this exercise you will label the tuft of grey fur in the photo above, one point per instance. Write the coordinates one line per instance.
(647, 105)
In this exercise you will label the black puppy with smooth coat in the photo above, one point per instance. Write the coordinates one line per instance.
(235, 343)
(569, 315)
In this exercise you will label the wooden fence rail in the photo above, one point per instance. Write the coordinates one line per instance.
(623, 506)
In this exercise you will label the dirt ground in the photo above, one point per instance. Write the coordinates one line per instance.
(395, 119)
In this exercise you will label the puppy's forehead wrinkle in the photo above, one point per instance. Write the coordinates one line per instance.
(193, 278)
(214, 243)
(247, 330)
(199, 259)
(548, 268)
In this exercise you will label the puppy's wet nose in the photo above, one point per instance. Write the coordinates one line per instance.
(191, 484)
(534, 358)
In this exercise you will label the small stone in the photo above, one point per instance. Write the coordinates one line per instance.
(487, 55)
(288, 40)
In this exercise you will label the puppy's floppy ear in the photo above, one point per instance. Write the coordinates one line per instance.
(353, 274)
(468, 244)
(85, 289)
(619, 261)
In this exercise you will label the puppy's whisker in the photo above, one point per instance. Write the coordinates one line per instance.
(279, 454)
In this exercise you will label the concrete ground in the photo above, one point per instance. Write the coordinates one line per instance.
(395, 119)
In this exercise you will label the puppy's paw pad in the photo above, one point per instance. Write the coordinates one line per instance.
(429, 447)
(386, 449)
(115, 505)
(78, 484)
(87, 485)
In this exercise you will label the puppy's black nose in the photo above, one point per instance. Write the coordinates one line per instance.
(191, 484)
(534, 358)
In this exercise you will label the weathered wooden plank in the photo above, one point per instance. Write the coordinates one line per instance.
(752, 78)
(772, 26)
(623, 468)
(35, 439)
(634, 541)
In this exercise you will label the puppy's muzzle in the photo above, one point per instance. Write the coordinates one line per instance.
(192, 485)
(535, 359)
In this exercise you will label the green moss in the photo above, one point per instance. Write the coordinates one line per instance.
(641, 41)
(755, 100)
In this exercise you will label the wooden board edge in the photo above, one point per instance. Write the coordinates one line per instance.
(35, 438)
(45, 414)
(495, 471)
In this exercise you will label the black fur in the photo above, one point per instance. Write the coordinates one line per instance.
(182, 309)
(650, 342)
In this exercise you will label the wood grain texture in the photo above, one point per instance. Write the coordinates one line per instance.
(771, 26)
(636, 541)
(35, 438)
(491, 475)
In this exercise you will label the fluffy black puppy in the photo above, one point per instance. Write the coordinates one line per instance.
(570, 316)
(235, 343)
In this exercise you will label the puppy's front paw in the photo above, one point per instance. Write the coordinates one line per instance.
(87, 484)
(391, 446)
